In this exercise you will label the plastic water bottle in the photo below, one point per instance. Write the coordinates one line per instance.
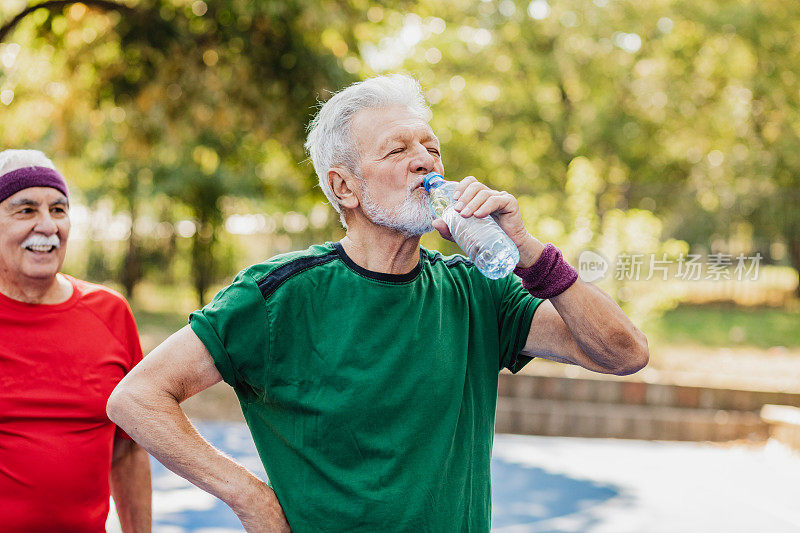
(485, 243)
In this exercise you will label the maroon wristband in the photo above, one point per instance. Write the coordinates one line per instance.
(549, 276)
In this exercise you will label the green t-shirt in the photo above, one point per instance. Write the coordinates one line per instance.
(371, 397)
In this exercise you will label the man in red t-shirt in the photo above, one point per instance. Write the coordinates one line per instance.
(64, 345)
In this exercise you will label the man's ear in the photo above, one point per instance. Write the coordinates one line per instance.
(342, 183)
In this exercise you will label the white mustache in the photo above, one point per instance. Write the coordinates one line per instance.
(41, 240)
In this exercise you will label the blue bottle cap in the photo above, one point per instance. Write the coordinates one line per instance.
(426, 181)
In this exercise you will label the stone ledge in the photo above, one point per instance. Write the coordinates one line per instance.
(628, 392)
(785, 377)
(585, 419)
(784, 424)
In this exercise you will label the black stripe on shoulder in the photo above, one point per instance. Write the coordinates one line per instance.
(453, 261)
(274, 279)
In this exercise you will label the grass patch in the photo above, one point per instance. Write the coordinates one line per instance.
(159, 320)
(728, 326)
(155, 326)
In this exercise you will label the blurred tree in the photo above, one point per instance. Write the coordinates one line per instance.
(189, 95)
(773, 133)
(685, 109)
(596, 114)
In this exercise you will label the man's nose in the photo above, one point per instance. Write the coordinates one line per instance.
(46, 224)
(423, 161)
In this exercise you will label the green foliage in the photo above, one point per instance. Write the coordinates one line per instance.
(193, 101)
(619, 125)
(682, 118)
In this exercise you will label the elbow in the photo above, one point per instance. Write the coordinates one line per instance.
(118, 404)
(632, 354)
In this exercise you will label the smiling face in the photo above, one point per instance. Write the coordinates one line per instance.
(397, 148)
(34, 227)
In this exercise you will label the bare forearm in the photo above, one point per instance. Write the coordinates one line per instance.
(601, 329)
(583, 325)
(146, 404)
(160, 426)
(131, 488)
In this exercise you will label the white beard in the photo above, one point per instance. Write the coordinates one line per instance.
(412, 217)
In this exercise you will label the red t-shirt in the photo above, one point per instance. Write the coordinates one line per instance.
(58, 365)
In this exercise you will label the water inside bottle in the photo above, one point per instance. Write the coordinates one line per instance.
(489, 248)
(497, 265)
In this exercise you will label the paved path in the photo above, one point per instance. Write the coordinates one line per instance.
(563, 484)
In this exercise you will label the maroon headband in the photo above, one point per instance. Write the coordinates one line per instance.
(27, 177)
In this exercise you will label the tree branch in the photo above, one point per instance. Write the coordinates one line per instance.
(53, 5)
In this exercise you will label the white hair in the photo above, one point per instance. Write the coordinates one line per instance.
(11, 160)
(330, 141)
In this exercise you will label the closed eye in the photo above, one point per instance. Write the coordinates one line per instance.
(396, 151)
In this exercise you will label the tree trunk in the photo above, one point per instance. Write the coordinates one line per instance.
(203, 259)
(793, 246)
(132, 266)
(131, 271)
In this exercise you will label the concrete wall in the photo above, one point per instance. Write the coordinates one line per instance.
(546, 405)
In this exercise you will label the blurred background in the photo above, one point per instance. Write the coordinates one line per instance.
(657, 143)
(663, 136)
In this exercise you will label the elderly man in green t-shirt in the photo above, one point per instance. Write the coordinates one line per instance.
(367, 369)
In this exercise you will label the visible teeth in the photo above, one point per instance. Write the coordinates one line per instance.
(40, 247)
